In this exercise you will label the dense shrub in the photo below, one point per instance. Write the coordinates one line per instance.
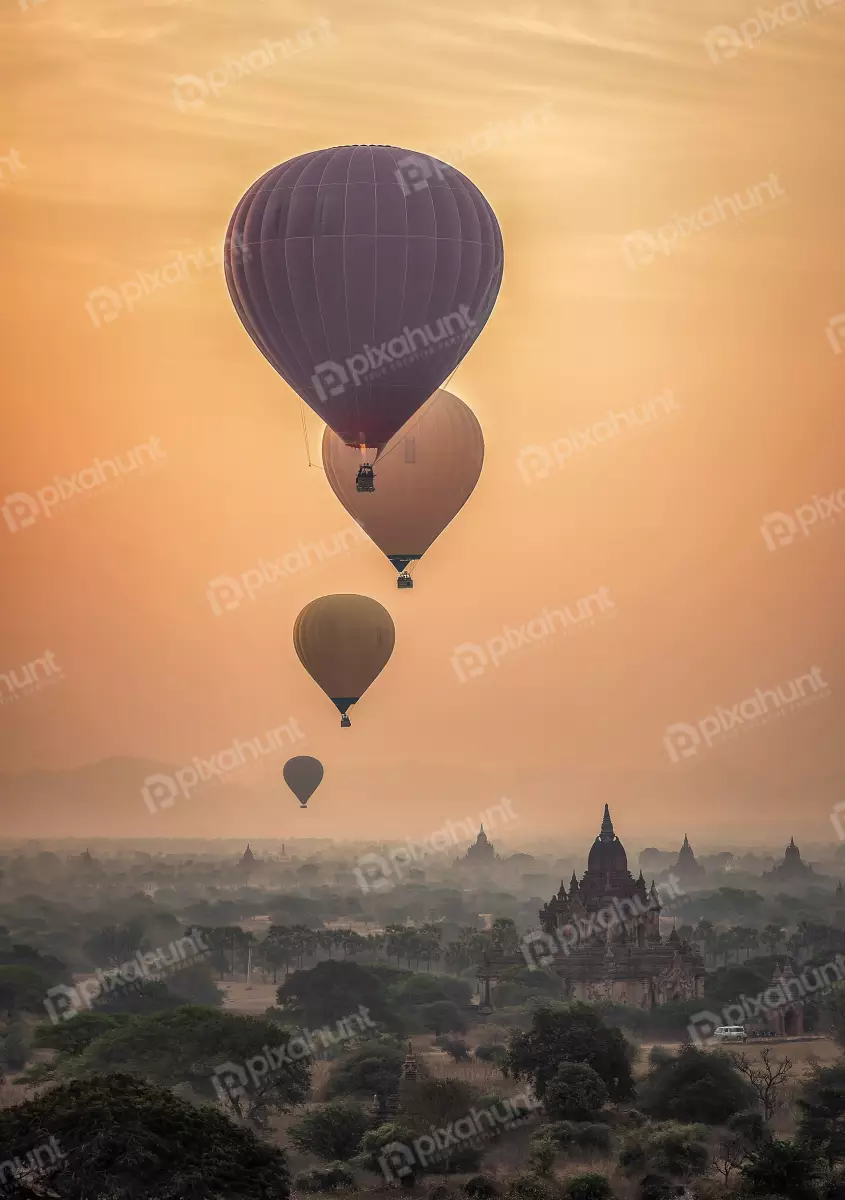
(694, 1086)
(325, 1179)
(589, 1186)
(575, 1093)
(481, 1187)
(494, 1053)
(530, 1186)
(331, 1131)
(572, 1033)
(456, 1048)
(577, 1138)
(674, 1150)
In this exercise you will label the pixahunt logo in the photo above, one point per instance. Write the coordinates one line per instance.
(65, 1002)
(685, 741)
(781, 529)
(232, 1080)
(332, 379)
(470, 660)
(540, 948)
(228, 592)
(30, 680)
(21, 509)
(162, 791)
(374, 871)
(538, 462)
(765, 1004)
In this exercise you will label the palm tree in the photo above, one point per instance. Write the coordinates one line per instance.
(504, 936)
(771, 936)
(430, 936)
(724, 945)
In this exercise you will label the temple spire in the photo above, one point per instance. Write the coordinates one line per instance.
(607, 824)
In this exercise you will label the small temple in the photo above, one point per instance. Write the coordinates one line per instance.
(248, 859)
(688, 870)
(480, 853)
(793, 869)
(602, 936)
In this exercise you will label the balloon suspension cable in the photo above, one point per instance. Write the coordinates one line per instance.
(319, 466)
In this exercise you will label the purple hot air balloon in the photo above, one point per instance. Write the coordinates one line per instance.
(364, 274)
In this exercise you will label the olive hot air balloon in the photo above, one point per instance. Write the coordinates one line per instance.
(303, 775)
(426, 474)
(364, 274)
(344, 643)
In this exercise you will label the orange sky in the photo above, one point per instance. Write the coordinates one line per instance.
(581, 130)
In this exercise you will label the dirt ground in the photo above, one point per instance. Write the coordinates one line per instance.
(254, 999)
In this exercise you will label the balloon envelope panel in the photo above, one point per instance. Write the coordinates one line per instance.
(364, 274)
(424, 476)
(344, 643)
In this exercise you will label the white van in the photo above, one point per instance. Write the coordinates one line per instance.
(730, 1033)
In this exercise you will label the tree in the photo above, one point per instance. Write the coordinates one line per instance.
(22, 989)
(192, 1046)
(833, 1008)
(114, 945)
(415, 990)
(332, 1178)
(695, 1086)
(504, 936)
(743, 1133)
(443, 1016)
(376, 1141)
(15, 1047)
(671, 1150)
(373, 1070)
(142, 998)
(780, 1168)
(195, 984)
(588, 1186)
(771, 937)
(121, 1138)
(332, 991)
(572, 1033)
(493, 1052)
(480, 1187)
(768, 1078)
(456, 1048)
(575, 1093)
(331, 1131)
(438, 1103)
(70, 1038)
(822, 1109)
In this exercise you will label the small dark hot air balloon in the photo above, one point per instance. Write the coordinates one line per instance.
(303, 775)
(344, 643)
(364, 274)
(426, 474)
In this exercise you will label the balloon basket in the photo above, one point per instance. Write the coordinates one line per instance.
(404, 580)
(365, 479)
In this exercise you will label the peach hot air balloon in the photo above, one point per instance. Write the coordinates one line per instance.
(426, 474)
(344, 643)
